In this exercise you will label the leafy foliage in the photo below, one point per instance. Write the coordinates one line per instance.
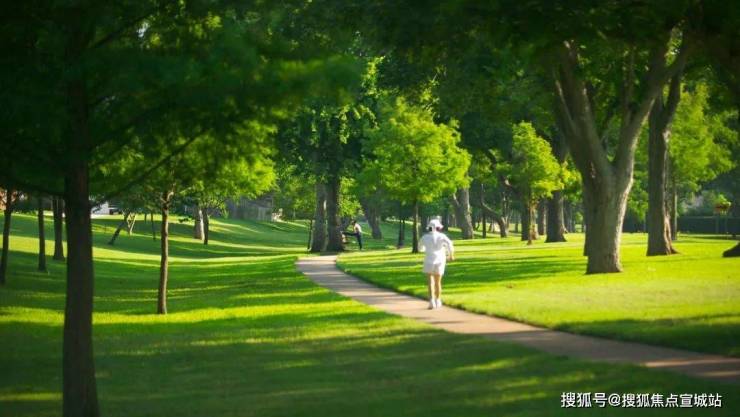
(414, 158)
(532, 167)
(695, 153)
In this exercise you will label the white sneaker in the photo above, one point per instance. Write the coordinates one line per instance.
(432, 305)
(439, 302)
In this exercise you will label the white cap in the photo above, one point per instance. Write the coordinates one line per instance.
(434, 224)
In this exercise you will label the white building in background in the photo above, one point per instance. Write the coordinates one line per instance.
(260, 208)
(105, 208)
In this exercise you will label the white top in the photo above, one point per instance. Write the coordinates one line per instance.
(357, 228)
(435, 245)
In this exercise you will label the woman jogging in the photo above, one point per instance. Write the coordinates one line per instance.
(437, 249)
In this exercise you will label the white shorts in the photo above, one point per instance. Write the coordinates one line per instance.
(437, 268)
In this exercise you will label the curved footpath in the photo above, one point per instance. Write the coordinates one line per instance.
(323, 271)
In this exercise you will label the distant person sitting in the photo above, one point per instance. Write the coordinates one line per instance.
(356, 232)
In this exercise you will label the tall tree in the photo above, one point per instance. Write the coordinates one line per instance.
(82, 80)
(533, 170)
(460, 201)
(240, 167)
(416, 159)
(604, 63)
(607, 181)
(324, 139)
(658, 221)
(695, 153)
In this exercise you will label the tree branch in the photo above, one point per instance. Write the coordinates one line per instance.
(151, 169)
(454, 201)
(488, 210)
(674, 96)
(575, 98)
(656, 77)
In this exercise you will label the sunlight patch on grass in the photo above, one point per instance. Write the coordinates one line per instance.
(677, 297)
(31, 396)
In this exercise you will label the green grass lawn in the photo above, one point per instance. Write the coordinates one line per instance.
(249, 336)
(690, 300)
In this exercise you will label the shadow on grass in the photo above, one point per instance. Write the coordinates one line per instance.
(328, 365)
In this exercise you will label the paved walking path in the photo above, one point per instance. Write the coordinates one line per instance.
(323, 271)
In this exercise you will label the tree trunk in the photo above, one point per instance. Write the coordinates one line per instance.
(415, 230)
(42, 235)
(373, 217)
(401, 228)
(57, 205)
(319, 224)
(164, 253)
(198, 226)
(503, 226)
(483, 210)
(461, 204)
(80, 396)
(206, 226)
(532, 231)
(529, 226)
(333, 221)
(310, 230)
(604, 209)
(130, 223)
(674, 212)
(154, 230)
(658, 217)
(500, 219)
(505, 214)
(555, 218)
(6, 234)
(607, 179)
(541, 219)
(377, 232)
(120, 227)
(568, 216)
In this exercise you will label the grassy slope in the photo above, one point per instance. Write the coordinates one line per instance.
(691, 300)
(249, 336)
